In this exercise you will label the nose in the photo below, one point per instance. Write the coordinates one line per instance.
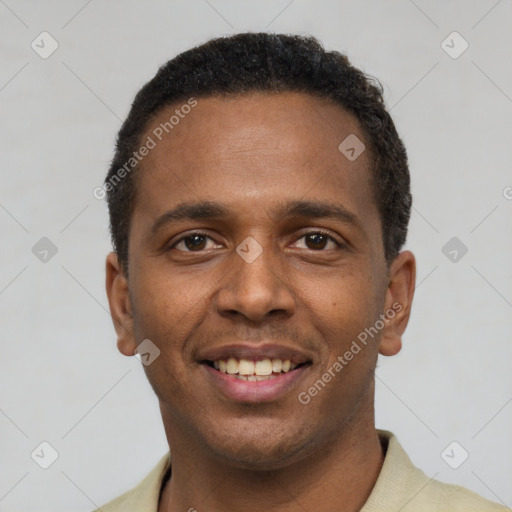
(255, 289)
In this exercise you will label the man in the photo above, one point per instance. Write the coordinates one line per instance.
(259, 198)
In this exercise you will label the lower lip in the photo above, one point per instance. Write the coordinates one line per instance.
(254, 391)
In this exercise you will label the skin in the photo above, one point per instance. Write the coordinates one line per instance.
(254, 153)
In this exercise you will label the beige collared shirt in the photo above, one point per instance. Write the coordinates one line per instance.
(400, 487)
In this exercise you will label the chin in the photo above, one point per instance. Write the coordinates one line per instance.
(260, 449)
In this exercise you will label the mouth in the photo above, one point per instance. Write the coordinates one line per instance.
(254, 373)
(251, 370)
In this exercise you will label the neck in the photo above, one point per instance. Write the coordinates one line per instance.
(338, 476)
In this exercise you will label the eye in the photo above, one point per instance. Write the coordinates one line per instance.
(318, 240)
(194, 242)
(197, 241)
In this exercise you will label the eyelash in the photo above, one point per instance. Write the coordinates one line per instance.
(206, 235)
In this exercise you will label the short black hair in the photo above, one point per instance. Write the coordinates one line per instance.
(273, 63)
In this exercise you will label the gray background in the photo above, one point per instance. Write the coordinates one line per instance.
(62, 379)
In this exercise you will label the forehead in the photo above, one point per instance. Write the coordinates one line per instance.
(225, 126)
(252, 150)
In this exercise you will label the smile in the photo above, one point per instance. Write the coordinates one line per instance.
(250, 370)
(253, 373)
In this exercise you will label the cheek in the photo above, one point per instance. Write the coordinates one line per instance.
(166, 300)
(168, 307)
(159, 312)
(166, 316)
(341, 310)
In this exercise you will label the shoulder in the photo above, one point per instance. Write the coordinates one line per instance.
(454, 498)
(402, 486)
(145, 495)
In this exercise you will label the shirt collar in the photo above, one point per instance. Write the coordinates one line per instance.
(387, 494)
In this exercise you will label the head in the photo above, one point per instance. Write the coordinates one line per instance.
(245, 229)
(270, 63)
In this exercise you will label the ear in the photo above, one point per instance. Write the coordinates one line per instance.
(399, 295)
(120, 305)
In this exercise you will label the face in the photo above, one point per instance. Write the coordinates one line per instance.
(255, 248)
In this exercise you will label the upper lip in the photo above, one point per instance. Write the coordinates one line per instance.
(254, 352)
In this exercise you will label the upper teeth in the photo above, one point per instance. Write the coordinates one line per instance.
(248, 367)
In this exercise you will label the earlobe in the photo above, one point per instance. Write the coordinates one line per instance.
(399, 295)
(120, 304)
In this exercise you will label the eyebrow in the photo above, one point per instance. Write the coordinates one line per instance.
(191, 211)
(319, 210)
(216, 210)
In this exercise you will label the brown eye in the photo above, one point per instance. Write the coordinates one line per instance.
(316, 241)
(319, 241)
(194, 242)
